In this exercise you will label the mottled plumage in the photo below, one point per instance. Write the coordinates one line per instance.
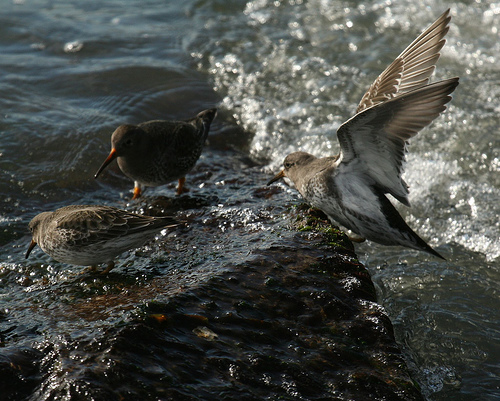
(89, 235)
(351, 188)
(158, 152)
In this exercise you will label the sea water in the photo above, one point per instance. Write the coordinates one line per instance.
(288, 72)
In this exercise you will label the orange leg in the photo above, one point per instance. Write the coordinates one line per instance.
(137, 192)
(181, 189)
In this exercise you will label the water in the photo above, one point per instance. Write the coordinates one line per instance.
(288, 72)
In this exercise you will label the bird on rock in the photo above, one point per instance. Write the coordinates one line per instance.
(88, 235)
(351, 188)
(158, 152)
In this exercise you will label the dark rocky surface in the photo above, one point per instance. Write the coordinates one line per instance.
(253, 298)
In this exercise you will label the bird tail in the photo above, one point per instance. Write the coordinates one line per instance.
(203, 120)
(409, 238)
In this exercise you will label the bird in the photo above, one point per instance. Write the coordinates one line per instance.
(157, 152)
(351, 188)
(88, 235)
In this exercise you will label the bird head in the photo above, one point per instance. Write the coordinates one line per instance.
(125, 140)
(293, 168)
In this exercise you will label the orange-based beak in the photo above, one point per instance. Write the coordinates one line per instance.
(112, 156)
(30, 248)
(277, 177)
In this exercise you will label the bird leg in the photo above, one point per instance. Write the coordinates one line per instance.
(108, 268)
(181, 188)
(137, 191)
(90, 269)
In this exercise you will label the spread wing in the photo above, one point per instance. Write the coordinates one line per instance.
(376, 138)
(412, 68)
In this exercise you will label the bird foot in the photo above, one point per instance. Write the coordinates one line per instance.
(90, 269)
(356, 238)
(108, 268)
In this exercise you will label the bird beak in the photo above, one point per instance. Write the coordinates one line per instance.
(277, 177)
(30, 248)
(112, 156)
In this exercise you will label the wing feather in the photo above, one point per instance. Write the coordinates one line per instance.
(412, 68)
(96, 224)
(377, 137)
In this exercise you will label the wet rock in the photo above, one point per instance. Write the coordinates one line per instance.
(291, 321)
(19, 373)
(249, 299)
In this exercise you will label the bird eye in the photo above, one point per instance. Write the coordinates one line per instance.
(288, 165)
(128, 143)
